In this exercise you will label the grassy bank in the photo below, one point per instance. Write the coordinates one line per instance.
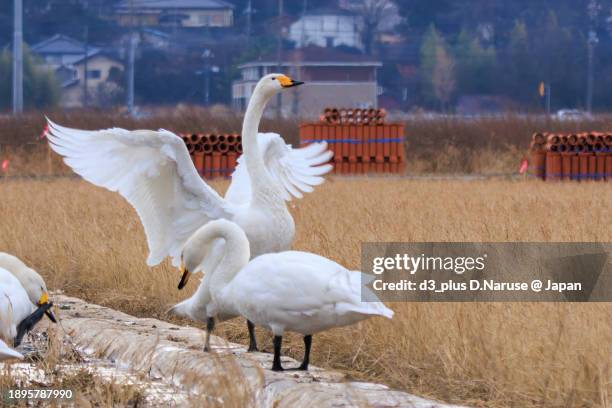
(90, 243)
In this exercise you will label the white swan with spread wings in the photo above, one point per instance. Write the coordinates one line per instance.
(153, 171)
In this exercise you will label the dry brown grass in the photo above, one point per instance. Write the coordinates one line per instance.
(90, 243)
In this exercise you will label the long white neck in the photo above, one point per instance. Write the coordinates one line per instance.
(229, 241)
(262, 185)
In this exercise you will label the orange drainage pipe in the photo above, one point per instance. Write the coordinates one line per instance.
(538, 163)
(592, 166)
(538, 138)
(207, 173)
(575, 167)
(584, 165)
(239, 148)
(553, 166)
(608, 166)
(357, 132)
(566, 165)
(380, 148)
(215, 165)
(231, 162)
(346, 147)
(366, 156)
(223, 170)
(600, 166)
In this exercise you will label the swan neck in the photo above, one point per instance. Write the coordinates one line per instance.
(235, 255)
(259, 176)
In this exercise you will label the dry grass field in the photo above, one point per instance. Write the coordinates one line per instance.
(90, 243)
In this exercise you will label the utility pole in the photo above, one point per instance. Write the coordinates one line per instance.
(18, 57)
(298, 66)
(85, 68)
(592, 10)
(248, 12)
(131, 61)
(591, 42)
(206, 56)
(279, 48)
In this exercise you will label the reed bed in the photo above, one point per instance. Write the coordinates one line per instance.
(90, 243)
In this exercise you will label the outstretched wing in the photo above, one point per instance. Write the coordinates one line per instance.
(295, 170)
(152, 170)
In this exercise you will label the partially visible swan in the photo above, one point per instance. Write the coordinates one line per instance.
(285, 291)
(17, 313)
(7, 353)
(32, 282)
(152, 170)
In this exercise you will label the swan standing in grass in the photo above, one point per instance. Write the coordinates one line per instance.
(153, 171)
(7, 353)
(17, 313)
(30, 280)
(285, 291)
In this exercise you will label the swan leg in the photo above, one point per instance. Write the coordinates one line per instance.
(252, 338)
(276, 364)
(307, 344)
(210, 326)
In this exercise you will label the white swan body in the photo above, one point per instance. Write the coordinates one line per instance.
(299, 292)
(7, 353)
(285, 291)
(15, 305)
(153, 171)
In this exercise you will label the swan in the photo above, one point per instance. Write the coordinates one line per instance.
(30, 280)
(17, 313)
(284, 291)
(152, 170)
(7, 353)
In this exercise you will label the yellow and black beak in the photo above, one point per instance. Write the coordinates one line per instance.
(185, 277)
(287, 82)
(44, 299)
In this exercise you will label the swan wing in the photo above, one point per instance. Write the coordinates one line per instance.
(7, 353)
(152, 170)
(297, 171)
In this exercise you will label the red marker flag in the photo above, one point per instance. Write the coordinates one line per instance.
(524, 166)
(5, 165)
(44, 132)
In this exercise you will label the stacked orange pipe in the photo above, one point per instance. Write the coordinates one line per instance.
(214, 155)
(360, 139)
(574, 156)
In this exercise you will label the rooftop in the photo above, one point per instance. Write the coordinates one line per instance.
(313, 56)
(175, 4)
(61, 44)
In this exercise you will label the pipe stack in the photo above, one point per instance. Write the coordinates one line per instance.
(360, 139)
(574, 156)
(349, 116)
(214, 155)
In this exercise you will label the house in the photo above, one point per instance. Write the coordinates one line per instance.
(327, 28)
(175, 13)
(332, 78)
(78, 68)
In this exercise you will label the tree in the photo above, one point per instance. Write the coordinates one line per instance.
(476, 65)
(431, 41)
(40, 88)
(378, 15)
(443, 77)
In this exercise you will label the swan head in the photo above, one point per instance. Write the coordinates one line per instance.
(272, 84)
(205, 250)
(30, 280)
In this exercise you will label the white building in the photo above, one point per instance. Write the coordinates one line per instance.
(327, 28)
